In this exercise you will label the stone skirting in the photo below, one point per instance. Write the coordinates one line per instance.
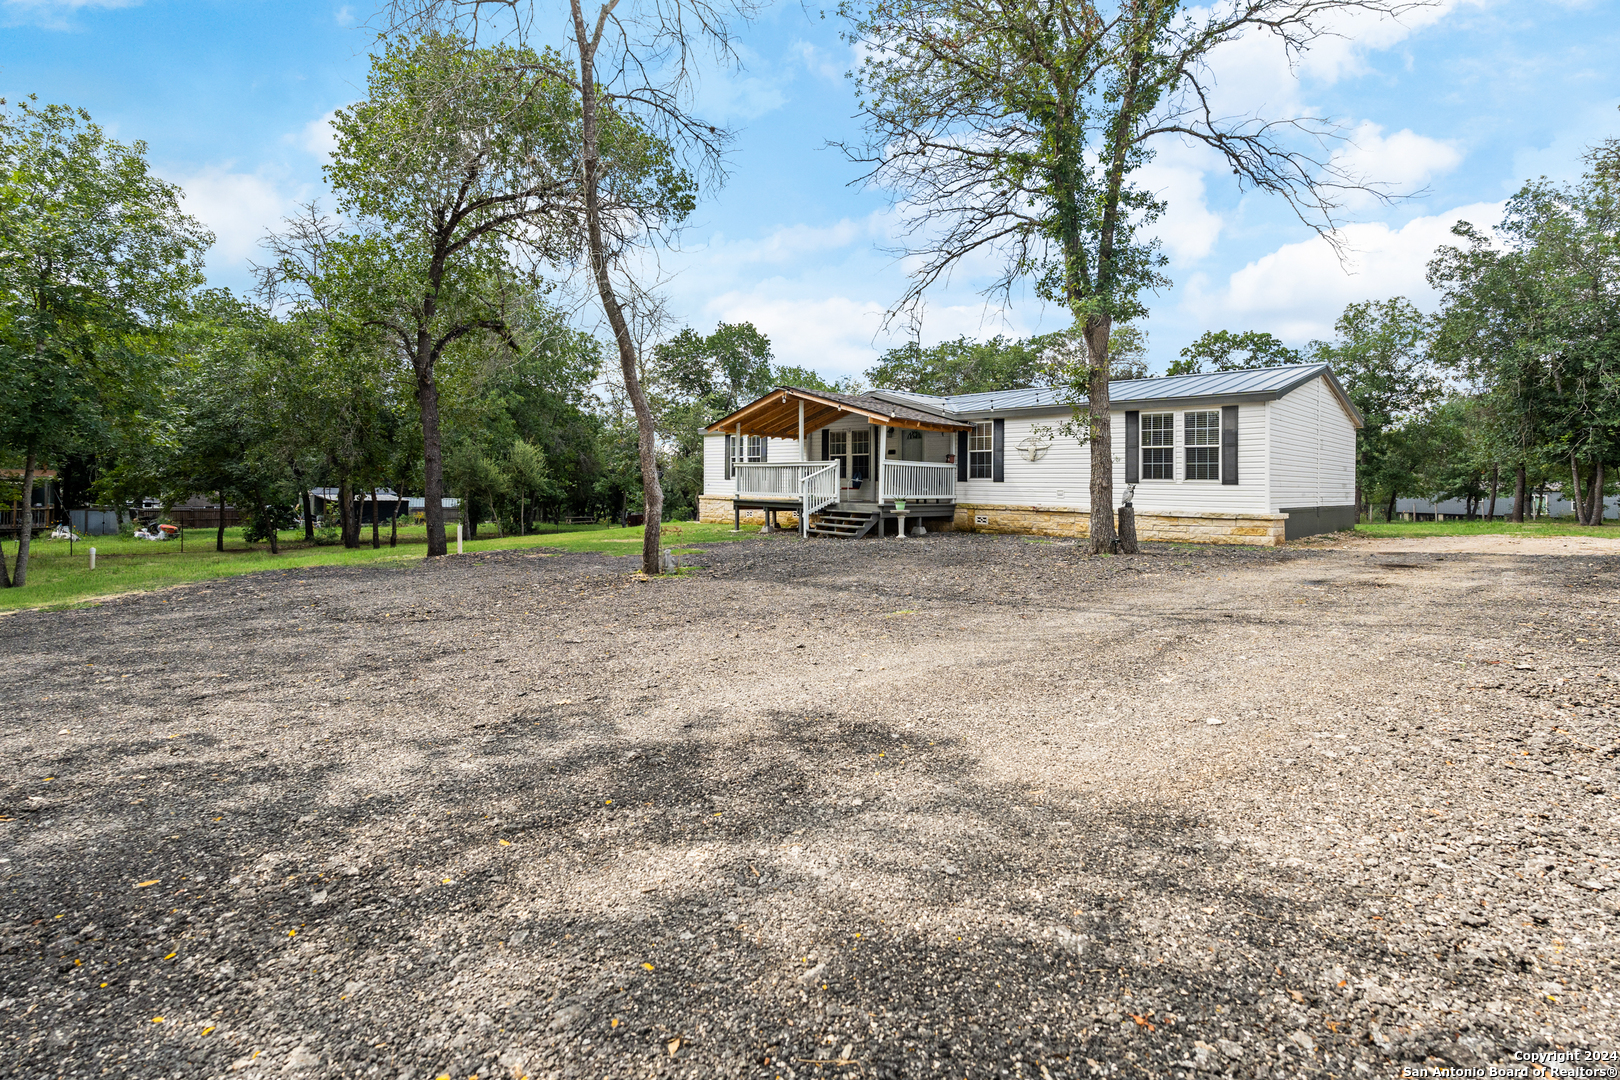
(1261, 530)
(717, 510)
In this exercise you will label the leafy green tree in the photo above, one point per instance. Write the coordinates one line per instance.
(1528, 316)
(96, 263)
(457, 169)
(1223, 350)
(963, 366)
(1381, 356)
(1018, 132)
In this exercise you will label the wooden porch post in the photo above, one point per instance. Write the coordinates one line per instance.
(880, 454)
(804, 448)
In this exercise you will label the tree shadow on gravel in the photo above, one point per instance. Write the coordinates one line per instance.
(838, 897)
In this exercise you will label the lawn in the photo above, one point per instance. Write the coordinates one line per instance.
(1405, 529)
(58, 577)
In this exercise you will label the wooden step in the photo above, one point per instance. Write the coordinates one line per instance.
(844, 523)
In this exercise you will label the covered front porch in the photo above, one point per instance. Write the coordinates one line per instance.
(862, 462)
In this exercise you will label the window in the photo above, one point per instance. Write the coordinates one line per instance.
(860, 454)
(838, 450)
(1203, 442)
(980, 445)
(1158, 446)
(750, 448)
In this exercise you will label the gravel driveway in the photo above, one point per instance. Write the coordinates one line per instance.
(960, 806)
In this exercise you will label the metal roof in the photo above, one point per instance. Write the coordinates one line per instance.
(1252, 384)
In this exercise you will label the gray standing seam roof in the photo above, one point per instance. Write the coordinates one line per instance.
(1252, 383)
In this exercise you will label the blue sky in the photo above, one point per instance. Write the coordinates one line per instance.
(1467, 100)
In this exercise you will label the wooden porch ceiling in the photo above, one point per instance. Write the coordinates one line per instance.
(776, 415)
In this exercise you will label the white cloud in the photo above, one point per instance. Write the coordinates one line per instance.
(317, 136)
(1404, 161)
(240, 208)
(52, 14)
(1189, 228)
(1297, 291)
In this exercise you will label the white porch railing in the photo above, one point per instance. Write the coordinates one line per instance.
(918, 480)
(811, 484)
(818, 490)
(784, 482)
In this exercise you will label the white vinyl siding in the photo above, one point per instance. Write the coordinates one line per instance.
(1313, 449)
(714, 461)
(1061, 479)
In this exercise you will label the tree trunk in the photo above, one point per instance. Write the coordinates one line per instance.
(1496, 482)
(427, 398)
(1520, 493)
(25, 523)
(345, 512)
(309, 517)
(393, 520)
(1389, 512)
(1576, 498)
(376, 526)
(1597, 494)
(1102, 454)
(219, 535)
(1127, 531)
(652, 490)
(5, 571)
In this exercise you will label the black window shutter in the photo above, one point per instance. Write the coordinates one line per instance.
(826, 445)
(764, 448)
(961, 455)
(1229, 417)
(998, 451)
(728, 456)
(1133, 446)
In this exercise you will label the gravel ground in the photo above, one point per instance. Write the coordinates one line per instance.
(960, 806)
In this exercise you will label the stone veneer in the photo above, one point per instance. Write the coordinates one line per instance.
(717, 509)
(1261, 530)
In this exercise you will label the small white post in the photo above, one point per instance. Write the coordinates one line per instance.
(92, 558)
(804, 448)
(458, 538)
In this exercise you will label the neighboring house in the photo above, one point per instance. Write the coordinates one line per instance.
(1248, 457)
(44, 502)
(1552, 505)
(324, 501)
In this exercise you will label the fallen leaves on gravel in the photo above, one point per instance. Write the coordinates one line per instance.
(144, 884)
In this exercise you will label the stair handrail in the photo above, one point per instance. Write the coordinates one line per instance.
(817, 489)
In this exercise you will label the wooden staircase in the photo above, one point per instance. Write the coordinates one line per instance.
(846, 523)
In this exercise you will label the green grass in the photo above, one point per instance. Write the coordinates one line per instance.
(1403, 529)
(58, 579)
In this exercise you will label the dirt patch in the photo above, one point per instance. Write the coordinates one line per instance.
(963, 805)
(1488, 544)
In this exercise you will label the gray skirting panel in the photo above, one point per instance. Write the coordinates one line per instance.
(1310, 520)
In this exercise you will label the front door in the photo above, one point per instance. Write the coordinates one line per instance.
(911, 445)
(853, 452)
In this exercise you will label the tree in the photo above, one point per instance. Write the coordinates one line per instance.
(1015, 131)
(96, 262)
(457, 169)
(1529, 317)
(963, 366)
(1381, 357)
(631, 72)
(1222, 350)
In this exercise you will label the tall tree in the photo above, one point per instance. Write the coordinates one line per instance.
(631, 65)
(1016, 131)
(456, 169)
(1529, 315)
(96, 263)
(1223, 350)
(1381, 355)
